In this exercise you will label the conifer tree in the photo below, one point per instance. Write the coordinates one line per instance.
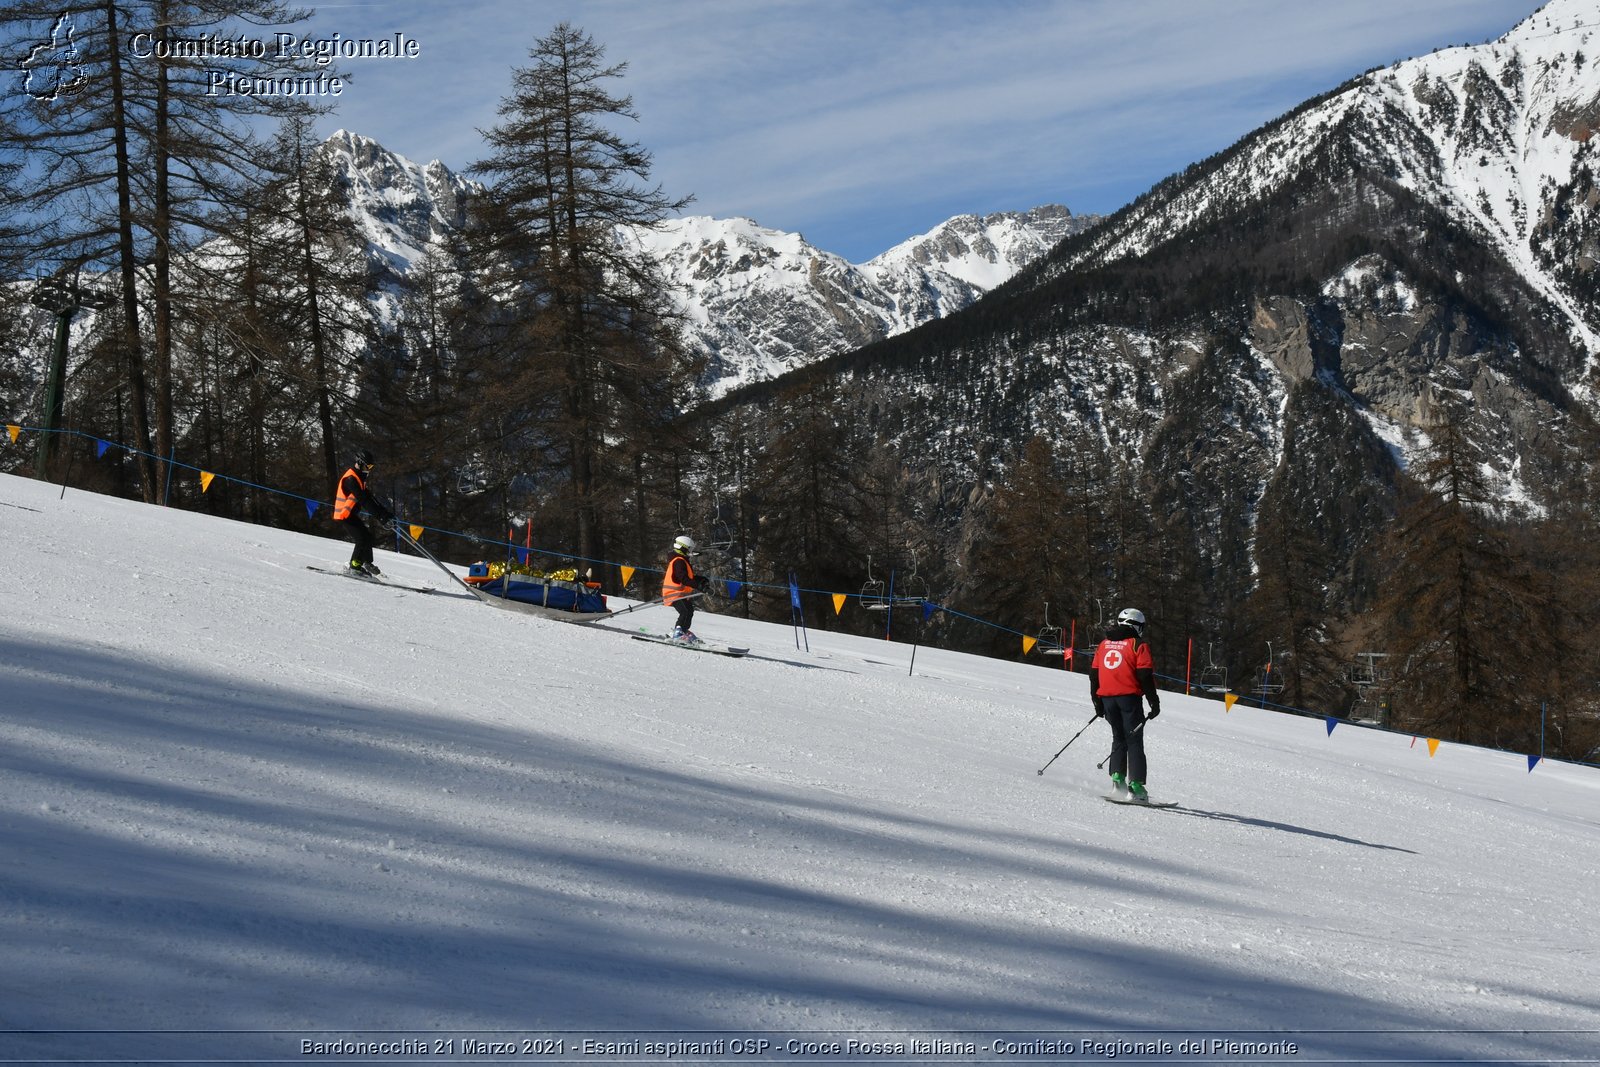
(809, 484)
(1023, 556)
(1470, 627)
(563, 182)
(127, 157)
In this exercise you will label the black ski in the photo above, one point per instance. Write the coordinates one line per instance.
(370, 580)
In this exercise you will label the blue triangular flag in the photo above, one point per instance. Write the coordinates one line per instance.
(733, 589)
(100, 448)
(311, 509)
(1332, 722)
(1532, 760)
(928, 608)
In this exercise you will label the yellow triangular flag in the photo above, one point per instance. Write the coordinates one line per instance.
(1433, 746)
(13, 429)
(838, 602)
(1228, 700)
(416, 533)
(1028, 643)
(627, 576)
(205, 480)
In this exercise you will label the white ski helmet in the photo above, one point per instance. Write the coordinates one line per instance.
(1132, 618)
(684, 544)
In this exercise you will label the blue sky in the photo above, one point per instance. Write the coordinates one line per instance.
(861, 123)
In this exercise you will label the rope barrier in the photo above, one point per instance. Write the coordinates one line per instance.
(1257, 701)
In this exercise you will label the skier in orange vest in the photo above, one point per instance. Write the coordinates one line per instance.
(1121, 672)
(679, 585)
(351, 499)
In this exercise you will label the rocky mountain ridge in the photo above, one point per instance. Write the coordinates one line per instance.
(755, 301)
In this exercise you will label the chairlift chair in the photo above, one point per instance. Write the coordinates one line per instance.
(872, 591)
(1213, 676)
(913, 588)
(1049, 637)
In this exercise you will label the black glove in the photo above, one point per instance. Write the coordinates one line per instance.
(1099, 708)
(1155, 709)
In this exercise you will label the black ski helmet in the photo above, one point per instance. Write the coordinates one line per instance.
(364, 459)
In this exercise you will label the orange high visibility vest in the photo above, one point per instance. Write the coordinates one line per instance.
(344, 504)
(672, 591)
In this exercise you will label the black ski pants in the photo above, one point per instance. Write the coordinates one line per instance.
(685, 613)
(1126, 716)
(357, 531)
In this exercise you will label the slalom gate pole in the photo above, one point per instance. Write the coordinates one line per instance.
(1068, 745)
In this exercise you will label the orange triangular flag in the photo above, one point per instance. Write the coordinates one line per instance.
(838, 602)
(1028, 643)
(416, 532)
(1433, 746)
(627, 576)
(1228, 700)
(205, 480)
(13, 429)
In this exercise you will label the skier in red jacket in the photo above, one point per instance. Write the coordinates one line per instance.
(1121, 672)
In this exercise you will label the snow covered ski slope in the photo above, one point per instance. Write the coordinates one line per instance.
(242, 808)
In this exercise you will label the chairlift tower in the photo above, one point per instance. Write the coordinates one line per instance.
(63, 298)
(1371, 679)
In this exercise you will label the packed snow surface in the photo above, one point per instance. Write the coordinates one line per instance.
(246, 808)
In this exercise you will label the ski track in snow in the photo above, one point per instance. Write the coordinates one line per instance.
(237, 795)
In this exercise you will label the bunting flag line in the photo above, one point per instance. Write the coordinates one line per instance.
(627, 576)
(733, 589)
(100, 448)
(416, 532)
(1027, 644)
(1228, 700)
(205, 480)
(838, 602)
(14, 430)
(1332, 722)
(311, 509)
(1433, 746)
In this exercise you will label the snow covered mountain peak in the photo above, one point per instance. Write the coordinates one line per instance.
(1497, 136)
(761, 302)
(400, 206)
(755, 300)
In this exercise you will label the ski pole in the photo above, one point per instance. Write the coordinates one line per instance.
(650, 604)
(1136, 729)
(1068, 745)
